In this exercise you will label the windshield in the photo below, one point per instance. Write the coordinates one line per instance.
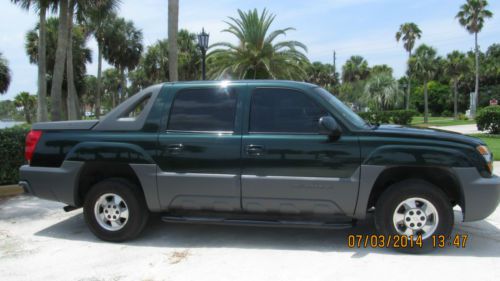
(342, 109)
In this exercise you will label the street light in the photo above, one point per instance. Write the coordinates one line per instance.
(203, 45)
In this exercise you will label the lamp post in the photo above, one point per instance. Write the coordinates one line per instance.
(203, 45)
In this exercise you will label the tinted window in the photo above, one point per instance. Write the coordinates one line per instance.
(203, 110)
(284, 110)
(134, 112)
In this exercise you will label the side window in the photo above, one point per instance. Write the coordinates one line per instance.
(284, 111)
(211, 109)
(133, 113)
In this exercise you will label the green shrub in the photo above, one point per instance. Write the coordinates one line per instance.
(401, 117)
(447, 113)
(462, 116)
(488, 119)
(11, 153)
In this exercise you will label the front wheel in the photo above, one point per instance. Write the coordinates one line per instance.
(414, 208)
(115, 210)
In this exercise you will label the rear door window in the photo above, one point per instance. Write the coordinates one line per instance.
(203, 110)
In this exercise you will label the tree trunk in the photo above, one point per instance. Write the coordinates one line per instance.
(409, 83)
(62, 45)
(123, 85)
(72, 96)
(99, 81)
(476, 90)
(27, 115)
(173, 23)
(42, 114)
(455, 98)
(426, 105)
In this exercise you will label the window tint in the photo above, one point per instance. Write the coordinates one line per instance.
(284, 110)
(203, 110)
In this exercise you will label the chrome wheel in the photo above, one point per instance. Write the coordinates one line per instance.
(416, 216)
(111, 212)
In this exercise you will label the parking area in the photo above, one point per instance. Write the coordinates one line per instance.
(39, 241)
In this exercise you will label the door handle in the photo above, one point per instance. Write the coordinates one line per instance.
(255, 150)
(175, 148)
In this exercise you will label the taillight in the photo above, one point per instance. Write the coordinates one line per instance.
(31, 140)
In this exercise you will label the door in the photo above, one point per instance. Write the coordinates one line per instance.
(289, 167)
(199, 153)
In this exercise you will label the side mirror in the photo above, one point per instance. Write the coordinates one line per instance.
(330, 126)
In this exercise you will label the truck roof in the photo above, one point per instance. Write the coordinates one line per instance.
(247, 82)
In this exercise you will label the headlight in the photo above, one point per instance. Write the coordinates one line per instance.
(483, 150)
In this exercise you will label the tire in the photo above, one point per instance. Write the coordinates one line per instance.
(395, 214)
(115, 210)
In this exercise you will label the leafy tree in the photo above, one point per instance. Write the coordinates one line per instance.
(257, 55)
(457, 67)
(28, 104)
(408, 33)
(89, 94)
(96, 19)
(355, 69)
(5, 77)
(381, 68)
(173, 27)
(111, 87)
(81, 54)
(439, 97)
(424, 64)
(123, 49)
(7, 110)
(382, 91)
(41, 6)
(471, 16)
(321, 74)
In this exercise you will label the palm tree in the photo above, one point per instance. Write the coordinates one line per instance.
(472, 15)
(96, 18)
(41, 6)
(81, 54)
(173, 26)
(381, 68)
(321, 74)
(456, 67)
(409, 33)
(424, 64)
(382, 91)
(123, 49)
(257, 55)
(355, 69)
(27, 102)
(4, 75)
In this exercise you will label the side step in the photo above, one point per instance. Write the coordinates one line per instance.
(265, 223)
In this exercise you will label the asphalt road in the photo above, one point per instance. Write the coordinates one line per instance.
(39, 241)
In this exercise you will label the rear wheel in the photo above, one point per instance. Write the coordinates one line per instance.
(414, 208)
(115, 210)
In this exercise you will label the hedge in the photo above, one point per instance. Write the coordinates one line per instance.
(488, 119)
(11, 153)
(401, 117)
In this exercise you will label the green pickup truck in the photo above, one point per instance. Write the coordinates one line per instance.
(256, 153)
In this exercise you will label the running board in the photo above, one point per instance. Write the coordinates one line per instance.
(265, 223)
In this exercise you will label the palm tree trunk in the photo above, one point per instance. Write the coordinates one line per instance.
(455, 98)
(426, 103)
(124, 85)
(72, 96)
(476, 90)
(42, 114)
(62, 45)
(99, 81)
(173, 25)
(409, 83)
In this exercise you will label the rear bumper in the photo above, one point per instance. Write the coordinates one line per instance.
(481, 196)
(56, 184)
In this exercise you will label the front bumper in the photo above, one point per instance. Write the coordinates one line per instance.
(481, 196)
(51, 183)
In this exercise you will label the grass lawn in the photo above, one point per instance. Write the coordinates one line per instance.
(493, 142)
(439, 121)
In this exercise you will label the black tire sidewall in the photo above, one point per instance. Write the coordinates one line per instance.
(401, 191)
(130, 193)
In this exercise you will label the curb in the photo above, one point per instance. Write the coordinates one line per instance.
(10, 190)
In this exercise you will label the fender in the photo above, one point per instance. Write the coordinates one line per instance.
(109, 151)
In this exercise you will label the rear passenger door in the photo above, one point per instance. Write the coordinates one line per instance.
(199, 152)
